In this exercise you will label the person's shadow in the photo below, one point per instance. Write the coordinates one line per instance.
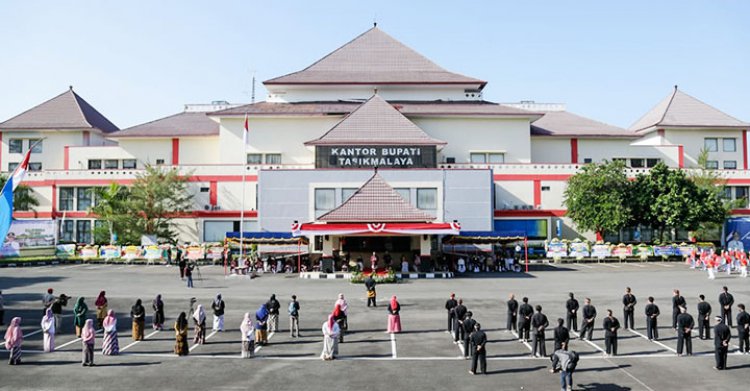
(601, 387)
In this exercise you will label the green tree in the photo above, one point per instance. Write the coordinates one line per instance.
(23, 197)
(157, 196)
(718, 208)
(596, 197)
(112, 208)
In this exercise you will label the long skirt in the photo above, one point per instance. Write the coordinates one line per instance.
(101, 313)
(248, 349)
(261, 337)
(110, 346)
(181, 345)
(49, 343)
(218, 323)
(88, 354)
(158, 320)
(200, 334)
(394, 323)
(138, 326)
(15, 355)
(330, 348)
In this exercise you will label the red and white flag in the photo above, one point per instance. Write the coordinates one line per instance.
(246, 131)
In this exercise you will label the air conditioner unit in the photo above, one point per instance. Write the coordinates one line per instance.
(450, 160)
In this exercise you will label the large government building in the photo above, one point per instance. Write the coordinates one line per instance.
(372, 146)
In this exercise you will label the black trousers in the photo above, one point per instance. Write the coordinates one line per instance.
(524, 326)
(686, 340)
(572, 321)
(721, 357)
(727, 315)
(587, 327)
(458, 331)
(481, 357)
(675, 313)
(511, 322)
(540, 344)
(467, 345)
(744, 343)
(703, 324)
(610, 343)
(2, 317)
(451, 320)
(629, 318)
(371, 300)
(652, 330)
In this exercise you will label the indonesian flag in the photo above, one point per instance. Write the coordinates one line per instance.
(246, 131)
(6, 195)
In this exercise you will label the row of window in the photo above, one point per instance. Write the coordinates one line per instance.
(16, 145)
(76, 198)
(636, 162)
(78, 231)
(325, 198)
(113, 164)
(712, 144)
(727, 164)
(487, 157)
(33, 166)
(259, 158)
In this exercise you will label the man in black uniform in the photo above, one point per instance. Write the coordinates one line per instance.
(704, 312)
(743, 329)
(722, 336)
(524, 321)
(469, 324)
(628, 302)
(726, 300)
(652, 313)
(587, 323)
(677, 302)
(449, 306)
(562, 335)
(685, 325)
(611, 325)
(572, 312)
(539, 323)
(458, 325)
(512, 314)
(478, 352)
(371, 294)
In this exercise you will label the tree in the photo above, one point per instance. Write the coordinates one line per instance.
(719, 207)
(112, 208)
(596, 198)
(23, 197)
(157, 196)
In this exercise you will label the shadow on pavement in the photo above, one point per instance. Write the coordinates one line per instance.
(602, 369)
(515, 370)
(602, 387)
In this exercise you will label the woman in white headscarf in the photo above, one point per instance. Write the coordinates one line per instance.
(199, 318)
(248, 336)
(331, 332)
(48, 328)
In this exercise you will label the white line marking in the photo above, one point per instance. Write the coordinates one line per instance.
(207, 337)
(582, 265)
(589, 342)
(393, 345)
(74, 341)
(72, 266)
(135, 342)
(656, 342)
(634, 264)
(664, 265)
(608, 359)
(611, 265)
(524, 342)
(257, 348)
(32, 333)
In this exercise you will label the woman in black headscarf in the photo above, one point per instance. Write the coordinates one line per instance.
(181, 335)
(158, 306)
(138, 313)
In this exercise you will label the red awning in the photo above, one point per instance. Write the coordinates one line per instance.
(375, 229)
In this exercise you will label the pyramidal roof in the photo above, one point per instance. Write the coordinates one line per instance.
(183, 124)
(65, 111)
(564, 123)
(375, 122)
(682, 110)
(375, 202)
(375, 57)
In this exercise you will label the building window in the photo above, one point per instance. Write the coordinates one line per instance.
(346, 193)
(726, 193)
(730, 164)
(83, 231)
(740, 193)
(254, 158)
(650, 163)
(159, 162)
(637, 163)
(712, 164)
(95, 164)
(111, 164)
(587, 160)
(12, 167)
(487, 157)
(85, 198)
(496, 158)
(545, 188)
(404, 192)
(729, 144)
(38, 147)
(711, 144)
(67, 195)
(325, 200)
(35, 166)
(205, 189)
(15, 145)
(478, 158)
(66, 230)
(128, 164)
(427, 199)
(318, 244)
(273, 158)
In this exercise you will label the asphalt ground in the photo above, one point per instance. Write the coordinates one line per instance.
(422, 357)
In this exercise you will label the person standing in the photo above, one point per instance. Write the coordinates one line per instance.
(611, 325)
(587, 323)
(48, 328)
(218, 307)
(48, 299)
(469, 324)
(261, 325)
(371, 294)
(458, 327)
(341, 302)
(704, 312)
(478, 349)
(273, 306)
(564, 361)
(2, 310)
(677, 302)
(373, 262)
(562, 335)
(387, 259)
(722, 336)
(138, 313)
(394, 317)
(181, 264)
(450, 304)
(56, 307)
(199, 319)
(181, 334)
(110, 346)
(14, 340)
(685, 326)
(331, 332)
(101, 308)
(571, 307)
(726, 300)
(79, 315)
(88, 338)
(189, 275)
(293, 310)
(628, 302)
(539, 323)
(525, 311)
(246, 329)
(158, 307)
(652, 314)
(743, 329)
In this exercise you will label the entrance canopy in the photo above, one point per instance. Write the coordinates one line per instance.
(264, 238)
(375, 229)
(485, 237)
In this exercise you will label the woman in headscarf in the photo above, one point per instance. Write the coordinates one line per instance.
(138, 313)
(110, 346)
(13, 341)
(181, 335)
(199, 318)
(248, 345)
(158, 306)
(79, 315)
(344, 324)
(88, 337)
(261, 325)
(48, 328)
(340, 318)
(331, 332)
(394, 319)
(218, 307)
(101, 308)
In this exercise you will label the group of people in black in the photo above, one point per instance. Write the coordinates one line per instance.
(466, 330)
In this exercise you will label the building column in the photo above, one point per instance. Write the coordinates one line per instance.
(744, 149)
(212, 193)
(574, 150)
(537, 193)
(175, 151)
(681, 156)
(66, 157)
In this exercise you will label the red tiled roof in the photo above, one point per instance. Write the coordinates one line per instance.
(563, 123)
(375, 122)
(375, 57)
(375, 202)
(65, 111)
(178, 125)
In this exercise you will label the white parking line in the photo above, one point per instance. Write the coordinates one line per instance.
(72, 266)
(524, 342)
(257, 348)
(582, 265)
(74, 341)
(207, 337)
(634, 264)
(589, 342)
(135, 342)
(393, 345)
(611, 265)
(664, 265)
(656, 342)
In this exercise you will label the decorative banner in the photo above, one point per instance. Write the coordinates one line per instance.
(644, 250)
(89, 252)
(28, 234)
(685, 249)
(602, 251)
(131, 252)
(215, 252)
(579, 249)
(194, 253)
(152, 252)
(109, 252)
(622, 251)
(556, 249)
(64, 251)
(665, 251)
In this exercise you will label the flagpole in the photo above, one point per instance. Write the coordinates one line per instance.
(242, 203)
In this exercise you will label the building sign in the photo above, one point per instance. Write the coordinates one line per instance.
(393, 156)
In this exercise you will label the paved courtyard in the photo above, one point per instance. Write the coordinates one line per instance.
(422, 357)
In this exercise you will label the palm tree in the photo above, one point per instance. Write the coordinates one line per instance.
(23, 197)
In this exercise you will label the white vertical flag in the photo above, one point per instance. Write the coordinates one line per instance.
(246, 131)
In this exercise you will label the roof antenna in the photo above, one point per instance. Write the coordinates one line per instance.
(252, 96)
(375, 21)
(675, 86)
(70, 87)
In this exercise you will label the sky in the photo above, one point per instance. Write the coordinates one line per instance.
(138, 60)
